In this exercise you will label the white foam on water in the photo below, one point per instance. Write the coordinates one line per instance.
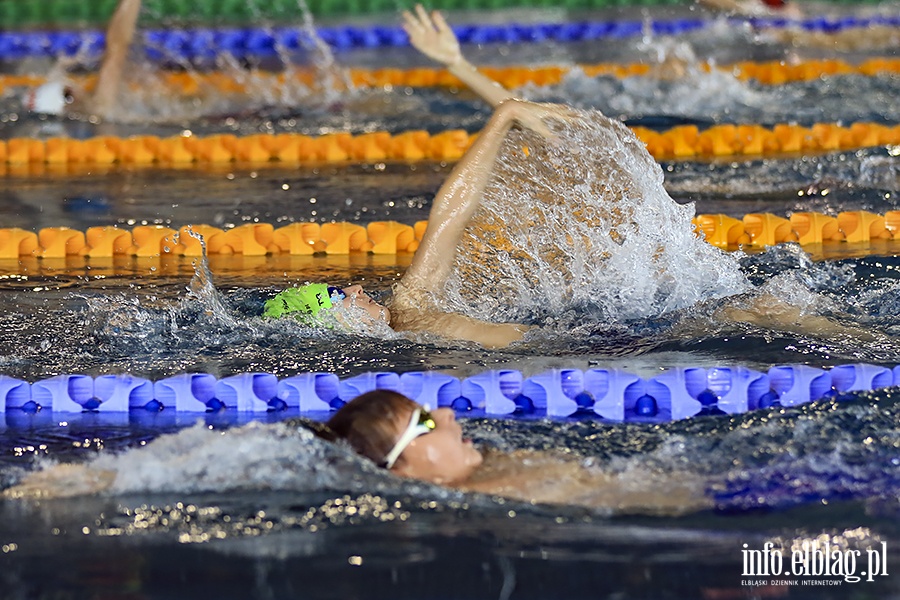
(250, 457)
(584, 226)
(200, 459)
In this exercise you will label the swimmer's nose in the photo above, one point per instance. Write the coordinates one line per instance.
(444, 414)
(361, 295)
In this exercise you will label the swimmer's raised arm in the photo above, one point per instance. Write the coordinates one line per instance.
(430, 35)
(119, 34)
(454, 204)
(459, 196)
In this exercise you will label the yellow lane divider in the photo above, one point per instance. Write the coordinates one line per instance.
(17, 154)
(688, 141)
(288, 148)
(252, 239)
(771, 73)
(390, 237)
(805, 228)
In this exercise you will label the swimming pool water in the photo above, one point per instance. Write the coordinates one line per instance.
(244, 508)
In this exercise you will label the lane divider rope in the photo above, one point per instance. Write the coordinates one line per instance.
(754, 230)
(193, 44)
(679, 143)
(610, 394)
(198, 83)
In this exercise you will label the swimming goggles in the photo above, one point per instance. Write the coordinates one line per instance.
(336, 291)
(420, 423)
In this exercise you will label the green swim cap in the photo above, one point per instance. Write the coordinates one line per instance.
(304, 300)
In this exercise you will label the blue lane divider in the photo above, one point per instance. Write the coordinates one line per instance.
(205, 44)
(610, 394)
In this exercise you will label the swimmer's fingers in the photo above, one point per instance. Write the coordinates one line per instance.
(557, 111)
(537, 125)
(430, 35)
(440, 25)
(534, 116)
(412, 26)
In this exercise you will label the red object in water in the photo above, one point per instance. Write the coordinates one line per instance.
(774, 3)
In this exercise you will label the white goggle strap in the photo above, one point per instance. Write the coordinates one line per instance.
(412, 432)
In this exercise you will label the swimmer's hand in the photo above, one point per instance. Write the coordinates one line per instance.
(430, 35)
(532, 115)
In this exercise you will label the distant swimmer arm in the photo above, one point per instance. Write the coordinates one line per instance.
(119, 34)
(431, 36)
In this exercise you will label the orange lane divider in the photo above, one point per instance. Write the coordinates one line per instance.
(226, 148)
(198, 84)
(679, 143)
(390, 237)
(771, 73)
(252, 239)
(688, 141)
(805, 228)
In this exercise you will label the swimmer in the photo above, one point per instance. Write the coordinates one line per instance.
(415, 304)
(57, 98)
(410, 442)
(402, 437)
(794, 37)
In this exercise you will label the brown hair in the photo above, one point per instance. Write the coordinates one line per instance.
(369, 422)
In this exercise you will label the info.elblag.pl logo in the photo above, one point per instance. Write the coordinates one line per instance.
(813, 563)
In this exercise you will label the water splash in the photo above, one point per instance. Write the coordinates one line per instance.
(335, 79)
(125, 324)
(881, 172)
(202, 290)
(583, 227)
(696, 94)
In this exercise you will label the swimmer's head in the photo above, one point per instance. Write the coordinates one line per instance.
(396, 433)
(307, 301)
(50, 98)
(354, 295)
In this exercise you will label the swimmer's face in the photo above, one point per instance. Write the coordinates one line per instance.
(355, 296)
(441, 456)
